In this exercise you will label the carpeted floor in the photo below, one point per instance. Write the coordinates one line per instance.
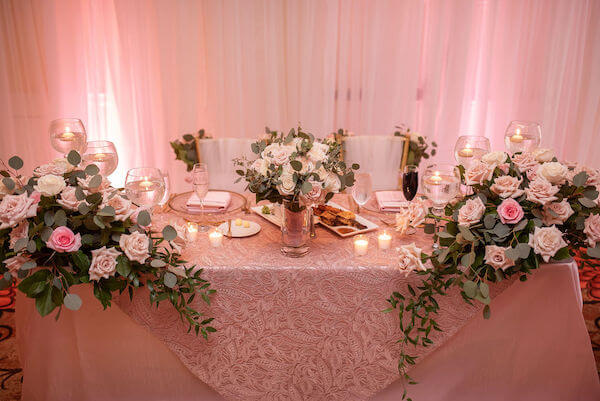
(11, 375)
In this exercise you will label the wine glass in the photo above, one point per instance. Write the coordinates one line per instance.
(410, 181)
(200, 182)
(440, 183)
(167, 181)
(362, 189)
(103, 154)
(469, 148)
(145, 186)
(522, 136)
(67, 134)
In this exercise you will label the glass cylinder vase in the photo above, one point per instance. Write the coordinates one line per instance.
(295, 228)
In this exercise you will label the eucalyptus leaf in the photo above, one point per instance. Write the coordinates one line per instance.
(98, 221)
(486, 312)
(489, 221)
(587, 203)
(484, 289)
(29, 265)
(79, 194)
(470, 288)
(74, 158)
(512, 253)
(580, 179)
(15, 162)
(467, 260)
(306, 187)
(144, 219)
(73, 301)
(520, 225)
(594, 252)
(91, 169)
(296, 165)
(46, 233)
(95, 181)
(83, 208)
(524, 250)
(466, 233)
(8, 183)
(21, 244)
(591, 194)
(169, 233)
(57, 283)
(157, 263)
(49, 218)
(60, 218)
(107, 211)
(31, 246)
(170, 279)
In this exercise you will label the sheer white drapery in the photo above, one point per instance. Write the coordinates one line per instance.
(140, 73)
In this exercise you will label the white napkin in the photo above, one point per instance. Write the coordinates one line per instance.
(390, 201)
(213, 201)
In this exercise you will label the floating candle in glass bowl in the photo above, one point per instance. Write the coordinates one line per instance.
(67, 134)
(469, 148)
(103, 154)
(384, 240)
(361, 245)
(522, 136)
(215, 237)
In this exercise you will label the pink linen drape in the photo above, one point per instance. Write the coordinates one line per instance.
(143, 72)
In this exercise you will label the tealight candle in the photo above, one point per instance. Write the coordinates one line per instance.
(435, 178)
(192, 231)
(517, 137)
(99, 157)
(466, 152)
(215, 238)
(67, 136)
(361, 245)
(384, 240)
(145, 184)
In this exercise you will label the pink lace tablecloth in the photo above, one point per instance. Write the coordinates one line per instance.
(297, 329)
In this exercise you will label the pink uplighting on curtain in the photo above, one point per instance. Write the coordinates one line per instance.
(140, 73)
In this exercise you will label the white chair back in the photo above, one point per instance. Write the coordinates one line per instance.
(218, 154)
(379, 155)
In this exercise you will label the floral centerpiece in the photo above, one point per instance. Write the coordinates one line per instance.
(418, 147)
(525, 210)
(185, 148)
(295, 169)
(66, 226)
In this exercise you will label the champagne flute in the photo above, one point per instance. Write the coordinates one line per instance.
(200, 181)
(410, 181)
(362, 189)
(440, 184)
(145, 186)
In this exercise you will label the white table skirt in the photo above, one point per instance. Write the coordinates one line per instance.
(535, 347)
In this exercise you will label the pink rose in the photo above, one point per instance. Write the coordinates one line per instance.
(495, 256)
(68, 200)
(36, 196)
(135, 246)
(532, 173)
(479, 172)
(49, 169)
(102, 188)
(104, 263)
(507, 187)
(510, 211)
(123, 207)
(16, 208)
(556, 212)
(546, 241)
(64, 240)
(592, 229)
(525, 161)
(541, 191)
(417, 211)
(409, 258)
(19, 232)
(471, 212)
(14, 264)
(505, 167)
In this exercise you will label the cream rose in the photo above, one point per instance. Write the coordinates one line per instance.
(14, 264)
(307, 165)
(50, 185)
(556, 212)
(524, 161)
(409, 258)
(546, 241)
(19, 232)
(592, 229)
(554, 172)
(543, 155)
(541, 191)
(471, 212)
(104, 263)
(507, 186)
(478, 172)
(495, 256)
(123, 207)
(278, 154)
(318, 152)
(286, 185)
(135, 246)
(331, 182)
(16, 208)
(102, 188)
(68, 200)
(261, 166)
(495, 158)
(417, 211)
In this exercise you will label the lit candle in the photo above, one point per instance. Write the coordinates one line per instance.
(216, 238)
(99, 157)
(67, 136)
(361, 245)
(435, 179)
(192, 231)
(145, 184)
(384, 240)
(517, 137)
(466, 152)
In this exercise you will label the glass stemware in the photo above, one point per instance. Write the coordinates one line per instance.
(469, 148)
(67, 134)
(362, 189)
(522, 136)
(103, 154)
(167, 181)
(440, 183)
(145, 186)
(410, 181)
(200, 182)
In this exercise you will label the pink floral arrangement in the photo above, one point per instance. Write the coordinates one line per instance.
(67, 226)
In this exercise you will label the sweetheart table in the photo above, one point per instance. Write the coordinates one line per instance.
(312, 329)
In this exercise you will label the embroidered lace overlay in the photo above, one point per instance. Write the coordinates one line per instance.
(296, 329)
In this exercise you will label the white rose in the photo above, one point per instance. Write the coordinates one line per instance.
(554, 172)
(68, 200)
(104, 263)
(261, 166)
(123, 207)
(541, 191)
(471, 212)
(495, 158)
(543, 155)
(318, 152)
(50, 185)
(592, 229)
(495, 256)
(409, 258)
(417, 211)
(278, 154)
(307, 165)
(331, 182)
(287, 185)
(546, 241)
(135, 246)
(524, 161)
(16, 208)
(478, 172)
(556, 212)
(414, 137)
(507, 186)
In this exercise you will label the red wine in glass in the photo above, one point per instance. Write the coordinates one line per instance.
(410, 182)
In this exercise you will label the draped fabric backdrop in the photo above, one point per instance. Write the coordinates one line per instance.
(141, 73)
